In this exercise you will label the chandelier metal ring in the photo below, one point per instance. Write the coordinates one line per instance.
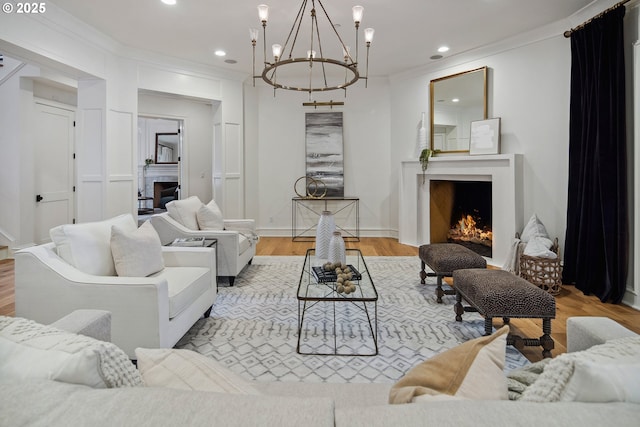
(272, 67)
(291, 53)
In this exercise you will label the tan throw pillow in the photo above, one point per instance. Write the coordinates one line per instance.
(210, 217)
(184, 211)
(29, 350)
(188, 370)
(472, 370)
(137, 253)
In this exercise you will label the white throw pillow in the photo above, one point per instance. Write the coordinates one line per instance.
(597, 382)
(188, 370)
(87, 246)
(540, 247)
(210, 217)
(29, 350)
(185, 211)
(533, 228)
(137, 253)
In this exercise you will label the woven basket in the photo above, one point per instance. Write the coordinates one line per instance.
(545, 273)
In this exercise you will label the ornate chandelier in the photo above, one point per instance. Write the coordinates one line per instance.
(309, 69)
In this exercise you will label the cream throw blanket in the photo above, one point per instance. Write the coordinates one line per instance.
(551, 384)
(512, 264)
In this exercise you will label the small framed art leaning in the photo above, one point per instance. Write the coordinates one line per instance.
(485, 137)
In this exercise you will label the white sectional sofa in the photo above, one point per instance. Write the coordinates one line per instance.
(54, 403)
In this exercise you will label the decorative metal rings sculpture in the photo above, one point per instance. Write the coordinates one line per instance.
(314, 188)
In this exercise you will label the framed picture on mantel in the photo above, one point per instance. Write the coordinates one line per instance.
(485, 137)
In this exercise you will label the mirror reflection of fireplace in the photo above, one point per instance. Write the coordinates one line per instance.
(461, 213)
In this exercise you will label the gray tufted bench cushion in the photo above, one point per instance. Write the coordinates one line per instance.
(444, 259)
(499, 293)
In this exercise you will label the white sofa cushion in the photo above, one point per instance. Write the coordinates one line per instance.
(137, 253)
(185, 285)
(55, 404)
(185, 211)
(188, 370)
(610, 382)
(87, 246)
(29, 350)
(209, 217)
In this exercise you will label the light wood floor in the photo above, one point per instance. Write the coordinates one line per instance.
(570, 301)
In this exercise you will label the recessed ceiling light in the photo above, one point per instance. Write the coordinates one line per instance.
(435, 57)
(220, 52)
(455, 100)
(443, 49)
(169, 2)
(230, 61)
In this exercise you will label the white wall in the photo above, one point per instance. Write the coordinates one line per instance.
(280, 148)
(529, 89)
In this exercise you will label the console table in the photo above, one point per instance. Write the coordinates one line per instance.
(304, 231)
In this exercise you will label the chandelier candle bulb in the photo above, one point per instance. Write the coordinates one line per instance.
(368, 35)
(277, 51)
(254, 34)
(263, 13)
(358, 11)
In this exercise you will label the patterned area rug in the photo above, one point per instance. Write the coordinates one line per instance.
(253, 326)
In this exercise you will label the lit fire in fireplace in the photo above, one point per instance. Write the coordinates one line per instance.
(466, 231)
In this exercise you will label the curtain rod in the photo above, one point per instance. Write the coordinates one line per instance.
(568, 33)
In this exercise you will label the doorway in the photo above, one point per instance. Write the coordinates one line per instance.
(159, 162)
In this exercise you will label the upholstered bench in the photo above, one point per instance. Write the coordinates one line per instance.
(499, 293)
(443, 259)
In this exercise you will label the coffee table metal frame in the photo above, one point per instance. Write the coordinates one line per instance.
(311, 292)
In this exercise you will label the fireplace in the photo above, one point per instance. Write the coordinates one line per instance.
(461, 213)
(163, 190)
(503, 172)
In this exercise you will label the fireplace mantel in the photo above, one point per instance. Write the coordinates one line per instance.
(504, 171)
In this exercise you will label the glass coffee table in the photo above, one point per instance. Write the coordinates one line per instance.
(333, 323)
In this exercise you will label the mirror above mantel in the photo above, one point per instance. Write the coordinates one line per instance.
(456, 101)
(167, 148)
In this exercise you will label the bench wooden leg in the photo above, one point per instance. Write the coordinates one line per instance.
(439, 290)
(459, 308)
(488, 326)
(545, 340)
(423, 273)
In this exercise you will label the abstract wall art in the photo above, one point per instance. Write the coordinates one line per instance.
(324, 150)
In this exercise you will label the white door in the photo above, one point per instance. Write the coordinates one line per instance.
(54, 169)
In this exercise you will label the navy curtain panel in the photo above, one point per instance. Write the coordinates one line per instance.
(597, 237)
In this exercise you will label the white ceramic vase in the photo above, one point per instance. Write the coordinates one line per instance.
(336, 249)
(324, 232)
